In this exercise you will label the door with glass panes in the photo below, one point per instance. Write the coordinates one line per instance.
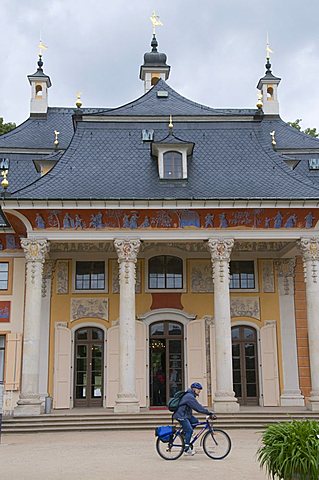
(88, 367)
(166, 353)
(245, 365)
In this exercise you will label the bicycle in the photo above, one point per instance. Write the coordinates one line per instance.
(216, 443)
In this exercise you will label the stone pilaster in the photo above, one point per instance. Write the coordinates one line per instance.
(309, 248)
(224, 399)
(127, 251)
(291, 394)
(35, 253)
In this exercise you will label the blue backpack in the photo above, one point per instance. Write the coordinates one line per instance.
(174, 402)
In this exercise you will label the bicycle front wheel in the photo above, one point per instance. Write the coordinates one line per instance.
(171, 450)
(216, 444)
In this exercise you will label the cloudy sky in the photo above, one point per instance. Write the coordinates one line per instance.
(216, 49)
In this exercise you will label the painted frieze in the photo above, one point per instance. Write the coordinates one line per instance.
(174, 218)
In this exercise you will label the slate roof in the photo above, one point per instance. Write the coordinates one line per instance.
(108, 159)
(230, 160)
(175, 104)
(37, 133)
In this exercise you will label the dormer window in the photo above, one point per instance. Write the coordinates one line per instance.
(172, 156)
(172, 165)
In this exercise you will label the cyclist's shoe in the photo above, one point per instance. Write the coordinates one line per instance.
(189, 452)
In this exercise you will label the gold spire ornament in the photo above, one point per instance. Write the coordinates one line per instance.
(170, 125)
(268, 49)
(56, 139)
(5, 182)
(273, 140)
(259, 103)
(155, 22)
(42, 47)
(78, 102)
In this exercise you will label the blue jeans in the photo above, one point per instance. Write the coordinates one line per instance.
(187, 424)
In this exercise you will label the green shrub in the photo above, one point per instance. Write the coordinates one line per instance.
(290, 450)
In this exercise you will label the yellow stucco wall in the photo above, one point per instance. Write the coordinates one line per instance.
(200, 304)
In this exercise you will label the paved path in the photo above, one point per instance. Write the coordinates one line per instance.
(119, 456)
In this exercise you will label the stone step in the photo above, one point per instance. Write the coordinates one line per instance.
(144, 421)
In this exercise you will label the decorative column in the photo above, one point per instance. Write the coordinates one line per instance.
(127, 251)
(30, 402)
(224, 399)
(291, 394)
(309, 248)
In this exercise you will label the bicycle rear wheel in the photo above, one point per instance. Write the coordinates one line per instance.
(171, 450)
(216, 444)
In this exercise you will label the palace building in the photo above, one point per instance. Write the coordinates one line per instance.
(155, 244)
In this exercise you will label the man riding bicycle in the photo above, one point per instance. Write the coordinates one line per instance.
(184, 413)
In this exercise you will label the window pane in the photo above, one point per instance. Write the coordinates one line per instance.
(165, 271)
(157, 329)
(82, 334)
(174, 329)
(242, 274)
(4, 267)
(90, 276)
(173, 165)
(235, 333)
(97, 334)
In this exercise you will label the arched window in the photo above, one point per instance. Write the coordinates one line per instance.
(173, 165)
(165, 271)
(38, 90)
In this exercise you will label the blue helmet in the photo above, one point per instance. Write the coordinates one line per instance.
(197, 385)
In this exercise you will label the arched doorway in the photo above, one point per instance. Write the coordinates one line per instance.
(245, 365)
(88, 367)
(166, 354)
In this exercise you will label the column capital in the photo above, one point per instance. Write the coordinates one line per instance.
(220, 248)
(285, 267)
(35, 250)
(127, 250)
(309, 247)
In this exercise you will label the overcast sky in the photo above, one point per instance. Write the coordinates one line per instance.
(216, 49)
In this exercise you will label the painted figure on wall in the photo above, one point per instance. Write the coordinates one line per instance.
(39, 221)
(78, 222)
(267, 222)
(309, 220)
(291, 221)
(68, 221)
(145, 223)
(209, 219)
(96, 220)
(223, 222)
(278, 220)
(133, 220)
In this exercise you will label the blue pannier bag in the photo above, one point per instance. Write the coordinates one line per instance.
(165, 433)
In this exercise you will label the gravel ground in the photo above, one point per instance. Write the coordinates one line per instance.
(118, 456)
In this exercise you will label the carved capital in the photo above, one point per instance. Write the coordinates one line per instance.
(127, 250)
(220, 249)
(309, 248)
(285, 267)
(35, 250)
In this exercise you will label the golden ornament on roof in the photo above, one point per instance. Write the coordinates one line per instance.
(5, 182)
(78, 102)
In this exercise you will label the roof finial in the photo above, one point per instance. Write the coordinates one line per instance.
(273, 140)
(42, 47)
(259, 103)
(155, 22)
(170, 125)
(78, 102)
(56, 139)
(268, 52)
(4, 182)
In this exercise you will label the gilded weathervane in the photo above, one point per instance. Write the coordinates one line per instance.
(268, 49)
(42, 47)
(155, 22)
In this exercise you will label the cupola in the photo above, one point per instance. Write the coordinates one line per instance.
(40, 82)
(154, 66)
(268, 86)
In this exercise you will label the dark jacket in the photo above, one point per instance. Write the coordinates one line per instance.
(187, 404)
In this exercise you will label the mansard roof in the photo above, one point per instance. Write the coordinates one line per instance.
(151, 104)
(37, 132)
(231, 159)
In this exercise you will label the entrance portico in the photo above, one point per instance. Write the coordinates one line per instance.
(200, 296)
